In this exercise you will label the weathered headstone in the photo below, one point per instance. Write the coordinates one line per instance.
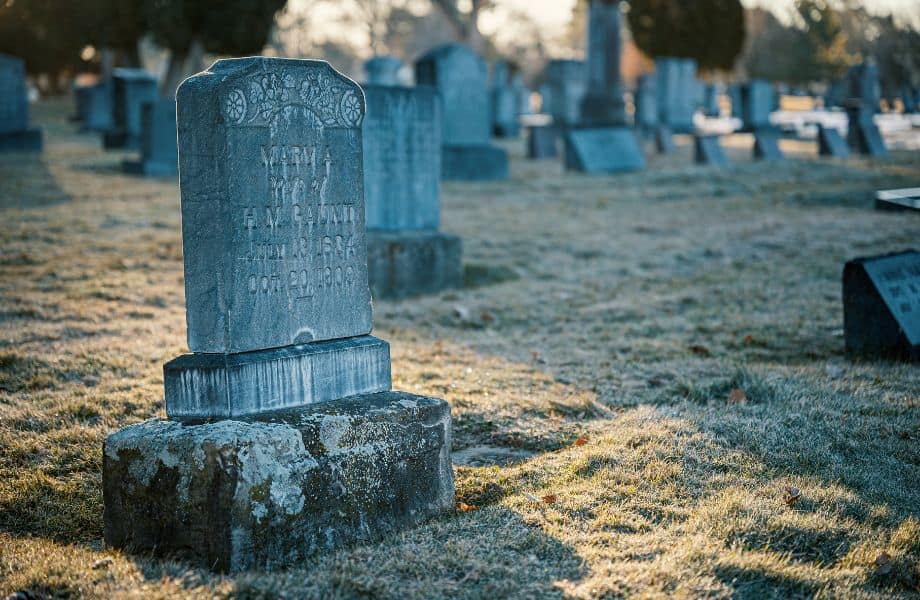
(541, 142)
(383, 70)
(646, 105)
(98, 117)
(664, 140)
(862, 103)
(460, 78)
(831, 143)
(757, 104)
(766, 144)
(898, 200)
(283, 437)
(15, 134)
(737, 101)
(881, 306)
(566, 82)
(505, 103)
(81, 93)
(407, 255)
(159, 151)
(707, 151)
(131, 89)
(675, 88)
(606, 150)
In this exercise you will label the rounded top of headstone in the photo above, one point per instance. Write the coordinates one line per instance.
(383, 61)
(253, 90)
(448, 52)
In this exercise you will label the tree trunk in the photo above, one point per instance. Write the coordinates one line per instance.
(175, 72)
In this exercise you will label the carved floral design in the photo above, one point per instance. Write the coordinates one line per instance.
(262, 96)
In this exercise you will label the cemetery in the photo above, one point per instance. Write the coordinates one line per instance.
(432, 316)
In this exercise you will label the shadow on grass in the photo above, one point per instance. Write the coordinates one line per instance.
(757, 583)
(26, 182)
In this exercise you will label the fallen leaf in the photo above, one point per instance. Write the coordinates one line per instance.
(531, 497)
(792, 495)
(581, 441)
(737, 396)
(749, 340)
(464, 507)
(700, 350)
(487, 317)
(549, 498)
(883, 563)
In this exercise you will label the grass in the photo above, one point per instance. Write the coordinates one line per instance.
(624, 312)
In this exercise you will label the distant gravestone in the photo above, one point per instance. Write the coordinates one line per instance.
(664, 140)
(737, 101)
(566, 83)
(159, 151)
(407, 255)
(711, 93)
(541, 142)
(898, 200)
(283, 437)
(675, 89)
(836, 93)
(98, 116)
(766, 144)
(757, 98)
(881, 306)
(864, 134)
(606, 150)
(521, 94)
(383, 70)
(646, 105)
(460, 78)
(15, 134)
(707, 151)
(831, 143)
(505, 103)
(131, 89)
(80, 99)
(603, 104)
(862, 103)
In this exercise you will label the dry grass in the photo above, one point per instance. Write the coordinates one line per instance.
(623, 310)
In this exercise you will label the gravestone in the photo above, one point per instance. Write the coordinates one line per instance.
(675, 88)
(664, 140)
(757, 98)
(909, 100)
(736, 98)
(707, 151)
(646, 105)
(406, 254)
(522, 95)
(881, 306)
(81, 94)
(15, 134)
(898, 200)
(766, 144)
(131, 89)
(605, 150)
(836, 93)
(159, 151)
(541, 142)
(711, 93)
(98, 117)
(603, 104)
(862, 103)
(460, 78)
(566, 83)
(283, 437)
(505, 103)
(831, 143)
(383, 70)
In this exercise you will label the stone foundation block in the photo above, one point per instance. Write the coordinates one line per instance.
(271, 491)
(474, 163)
(221, 386)
(402, 264)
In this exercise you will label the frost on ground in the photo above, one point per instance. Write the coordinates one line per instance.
(684, 324)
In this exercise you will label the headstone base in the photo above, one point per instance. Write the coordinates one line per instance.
(149, 168)
(402, 264)
(223, 386)
(474, 163)
(118, 140)
(268, 492)
(28, 140)
(708, 151)
(606, 150)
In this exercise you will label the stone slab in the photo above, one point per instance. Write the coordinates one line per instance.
(271, 492)
(898, 200)
(14, 103)
(402, 158)
(383, 70)
(606, 150)
(881, 306)
(675, 87)
(272, 187)
(831, 143)
(131, 89)
(541, 142)
(766, 145)
(222, 386)
(708, 151)
(461, 79)
(566, 85)
(664, 140)
(403, 264)
(98, 117)
(474, 163)
(29, 140)
(159, 149)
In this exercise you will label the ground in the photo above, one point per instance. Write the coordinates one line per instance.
(646, 374)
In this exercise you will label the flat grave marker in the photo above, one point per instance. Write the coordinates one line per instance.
(708, 151)
(898, 200)
(606, 150)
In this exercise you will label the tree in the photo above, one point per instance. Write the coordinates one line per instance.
(796, 64)
(47, 34)
(189, 28)
(464, 24)
(710, 31)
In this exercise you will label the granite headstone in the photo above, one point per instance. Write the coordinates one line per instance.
(881, 306)
(757, 104)
(604, 150)
(603, 104)
(505, 103)
(566, 83)
(862, 104)
(131, 89)
(646, 105)
(383, 70)
(675, 89)
(541, 142)
(15, 134)
(98, 117)
(159, 150)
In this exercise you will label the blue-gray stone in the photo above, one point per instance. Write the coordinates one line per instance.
(863, 88)
(711, 94)
(766, 144)
(402, 158)
(98, 115)
(131, 89)
(836, 93)
(505, 102)
(225, 386)
(603, 104)
(606, 150)
(403, 264)
(646, 105)
(272, 192)
(830, 143)
(159, 150)
(881, 306)
(757, 99)
(460, 77)
(707, 151)
(664, 140)
(541, 142)
(474, 163)
(566, 84)
(15, 134)
(383, 70)
(675, 89)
